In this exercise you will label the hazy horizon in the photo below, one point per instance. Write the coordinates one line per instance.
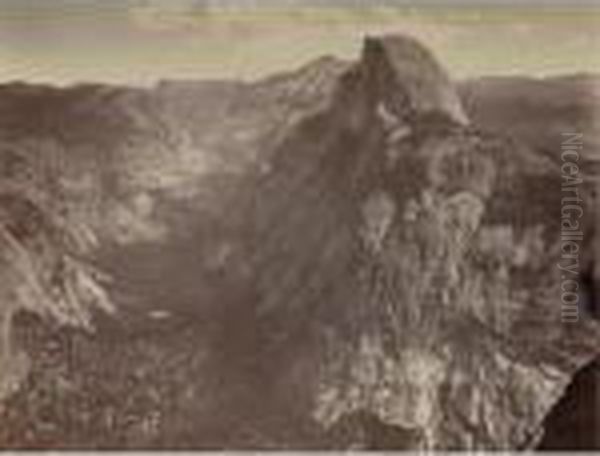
(41, 82)
(140, 43)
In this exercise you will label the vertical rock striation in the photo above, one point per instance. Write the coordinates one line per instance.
(409, 263)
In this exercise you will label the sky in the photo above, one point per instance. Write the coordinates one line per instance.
(139, 42)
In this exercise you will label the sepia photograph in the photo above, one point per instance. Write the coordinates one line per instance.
(299, 225)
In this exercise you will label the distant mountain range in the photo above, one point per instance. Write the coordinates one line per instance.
(538, 111)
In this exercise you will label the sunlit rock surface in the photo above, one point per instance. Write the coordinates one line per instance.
(430, 281)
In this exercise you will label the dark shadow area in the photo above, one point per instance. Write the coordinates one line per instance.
(574, 422)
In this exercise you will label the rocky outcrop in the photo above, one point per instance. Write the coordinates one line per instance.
(409, 79)
(42, 269)
(417, 257)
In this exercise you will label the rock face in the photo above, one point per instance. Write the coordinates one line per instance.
(380, 272)
(420, 257)
(409, 79)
